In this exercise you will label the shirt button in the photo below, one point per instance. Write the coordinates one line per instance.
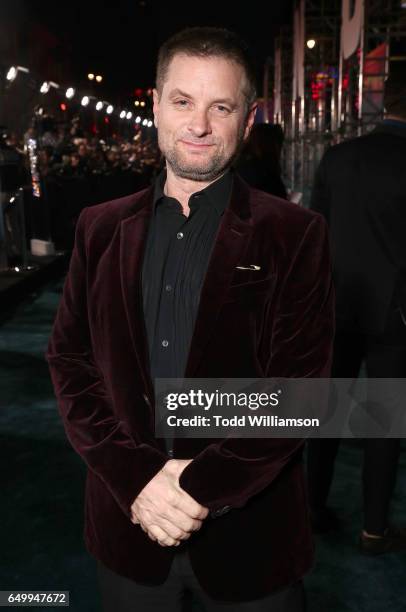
(165, 343)
(179, 235)
(168, 287)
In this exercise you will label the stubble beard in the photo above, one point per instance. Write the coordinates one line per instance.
(203, 172)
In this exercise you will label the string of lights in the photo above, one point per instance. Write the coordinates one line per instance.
(86, 100)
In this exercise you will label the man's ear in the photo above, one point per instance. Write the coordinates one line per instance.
(250, 119)
(155, 107)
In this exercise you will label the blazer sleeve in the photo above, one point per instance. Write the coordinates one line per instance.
(93, 429)
(227, 473)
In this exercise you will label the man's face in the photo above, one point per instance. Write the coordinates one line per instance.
(201, 115)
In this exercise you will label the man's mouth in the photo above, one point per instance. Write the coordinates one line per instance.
(196, 145)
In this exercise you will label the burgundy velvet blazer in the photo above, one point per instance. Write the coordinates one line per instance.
(277, 321)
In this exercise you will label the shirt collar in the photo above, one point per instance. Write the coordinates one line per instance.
(217, 194)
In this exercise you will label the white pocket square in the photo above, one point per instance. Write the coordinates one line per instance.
(250, 267)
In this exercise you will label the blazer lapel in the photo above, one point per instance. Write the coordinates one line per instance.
(133, 234)
(230, 244)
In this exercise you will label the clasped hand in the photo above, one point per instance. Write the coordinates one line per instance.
(164, 510)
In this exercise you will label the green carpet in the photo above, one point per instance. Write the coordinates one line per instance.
(41, 514)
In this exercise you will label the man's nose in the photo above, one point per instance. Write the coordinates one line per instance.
(199, 123)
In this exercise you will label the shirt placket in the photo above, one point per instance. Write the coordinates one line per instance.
(166, 337)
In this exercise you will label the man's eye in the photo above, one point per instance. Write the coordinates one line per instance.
(222, 109)
(181, 103)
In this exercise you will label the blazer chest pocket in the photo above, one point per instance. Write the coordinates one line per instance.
(251, 291)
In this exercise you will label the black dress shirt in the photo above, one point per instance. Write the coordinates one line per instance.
(175, 261)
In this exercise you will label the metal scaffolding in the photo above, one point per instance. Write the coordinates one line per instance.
(302, 102)
(382, 40)
(322, 94)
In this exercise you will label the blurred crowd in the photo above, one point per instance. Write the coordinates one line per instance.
(69, 151)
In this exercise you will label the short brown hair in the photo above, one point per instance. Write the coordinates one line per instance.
(208, 42)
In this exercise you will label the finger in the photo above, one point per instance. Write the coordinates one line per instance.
(181, 520)
(173, 530)
(163, 538)
(168, 512)
(189, 506)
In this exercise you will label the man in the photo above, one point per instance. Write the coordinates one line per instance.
(201, 277)
(360, 188)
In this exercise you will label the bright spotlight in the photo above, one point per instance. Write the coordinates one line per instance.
(12, 73)
(149, 124)
(145, 122)
(129, 115)
(99, 78)
(85, 101)
(109, 109)
(70, 92)
(311, 43)
(46, 86)
(122, 114)
(142, 103)
(99, 106)
(90, 76)
(138, 120)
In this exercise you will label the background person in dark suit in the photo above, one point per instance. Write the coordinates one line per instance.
(202, 277)
(360, 188)
(259, 160)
